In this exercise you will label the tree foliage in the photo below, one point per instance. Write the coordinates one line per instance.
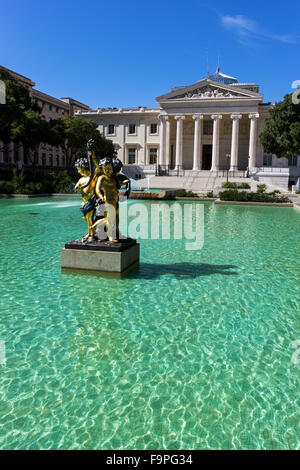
(281, 134)
(18, 101)
(73, 134)
(21, 122)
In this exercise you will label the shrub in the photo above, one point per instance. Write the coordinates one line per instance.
(261, 188)
(34, 188)
(62, 182)
(210, 194)
(18, 182)
(276, 191)
(184, 193)
(7, 187)
(230, 185)
(258, 196)
(233, 195)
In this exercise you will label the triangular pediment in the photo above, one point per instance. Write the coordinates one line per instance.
(207, 89)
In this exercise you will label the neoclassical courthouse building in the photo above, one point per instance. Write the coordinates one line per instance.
(196, 130)
(211, 125)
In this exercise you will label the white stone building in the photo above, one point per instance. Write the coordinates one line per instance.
(48, 156)
(209, 126)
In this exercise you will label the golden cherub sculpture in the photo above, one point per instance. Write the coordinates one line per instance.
(100, 185)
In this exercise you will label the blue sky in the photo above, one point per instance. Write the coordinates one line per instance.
(127, 52)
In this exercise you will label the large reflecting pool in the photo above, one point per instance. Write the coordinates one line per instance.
(193, 350)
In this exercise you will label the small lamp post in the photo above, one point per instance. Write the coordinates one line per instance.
(248, 168)
(228, 163)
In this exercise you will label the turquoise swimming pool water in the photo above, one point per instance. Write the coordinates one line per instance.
(191, 351)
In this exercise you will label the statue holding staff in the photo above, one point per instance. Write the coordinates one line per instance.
(100, 185)
(86, 185)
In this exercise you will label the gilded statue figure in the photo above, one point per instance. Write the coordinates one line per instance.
(86, 185)
(106, 189)
(99, 184)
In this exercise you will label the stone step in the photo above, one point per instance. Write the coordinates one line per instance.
(193, 183)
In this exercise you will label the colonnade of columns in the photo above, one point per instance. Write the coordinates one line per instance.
(164, 158)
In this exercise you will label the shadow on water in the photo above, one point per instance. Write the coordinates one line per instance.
(155, 271)
(180, 270)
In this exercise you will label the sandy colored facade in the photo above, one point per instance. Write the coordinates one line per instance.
(51, 108)
(211, 125)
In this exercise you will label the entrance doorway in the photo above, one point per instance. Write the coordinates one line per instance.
(206, 157)
(172, 163)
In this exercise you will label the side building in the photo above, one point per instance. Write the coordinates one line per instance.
(47, 157)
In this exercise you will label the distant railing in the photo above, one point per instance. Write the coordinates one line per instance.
(165, 170)
(272, 169)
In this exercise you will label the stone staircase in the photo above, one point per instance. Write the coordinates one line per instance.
(196, 183)
(203, 180)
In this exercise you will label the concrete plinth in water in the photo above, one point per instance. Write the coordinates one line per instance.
(100, 256)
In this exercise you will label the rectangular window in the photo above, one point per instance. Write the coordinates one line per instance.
(131, 155)
(16, 155)
(62, 111)
(44, 159)
(292, 160)
(267, 159)
(153, 129)
(131, 129)
(153, 156)
(111, 129)
(51, 160)
(50, 107)
(57, 160)
(6, 156)
(57, 109)
(207, 127)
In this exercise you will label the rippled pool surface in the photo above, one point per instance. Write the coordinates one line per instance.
(191, 351)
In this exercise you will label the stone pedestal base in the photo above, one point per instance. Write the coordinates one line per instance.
(100, 256)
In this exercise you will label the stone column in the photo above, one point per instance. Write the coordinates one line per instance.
(163, 137)
(179, 142)
(252, 139)
(216, 142)
(197, 142)
(167, 143)
(234, 142)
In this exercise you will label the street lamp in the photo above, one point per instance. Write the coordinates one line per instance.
(248, 167)
(228, 163)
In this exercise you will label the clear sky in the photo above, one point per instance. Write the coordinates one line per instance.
(127, 52)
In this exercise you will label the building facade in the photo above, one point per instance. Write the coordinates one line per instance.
(48, 156)
(211, 125)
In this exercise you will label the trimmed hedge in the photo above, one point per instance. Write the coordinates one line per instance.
(184, 193)
(258, 196)
(232, 185)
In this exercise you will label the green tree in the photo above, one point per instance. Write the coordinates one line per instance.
(30, 132)
(281, 134)
(18, 100)
(20, 120)
(74, 132)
